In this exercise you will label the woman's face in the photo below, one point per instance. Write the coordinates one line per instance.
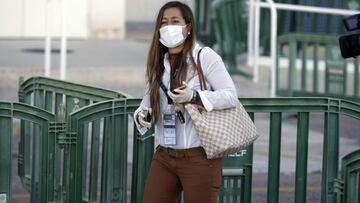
(173, 16)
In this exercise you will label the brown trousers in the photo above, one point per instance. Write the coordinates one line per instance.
(173, 171)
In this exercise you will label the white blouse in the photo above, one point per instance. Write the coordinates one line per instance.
(221, 95)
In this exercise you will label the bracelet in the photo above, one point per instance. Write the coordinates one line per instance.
(193, 98)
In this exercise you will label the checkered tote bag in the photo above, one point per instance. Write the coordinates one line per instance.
(222, 132)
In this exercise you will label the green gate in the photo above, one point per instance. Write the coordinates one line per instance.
(39, 153)
(95, 161)
(61, 98)
(301, 80)
(106, 142)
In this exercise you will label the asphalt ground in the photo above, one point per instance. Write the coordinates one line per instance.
(120, 65)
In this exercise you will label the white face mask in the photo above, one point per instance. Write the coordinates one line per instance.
(172, 35)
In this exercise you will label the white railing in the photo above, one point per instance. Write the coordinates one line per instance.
(254, 30)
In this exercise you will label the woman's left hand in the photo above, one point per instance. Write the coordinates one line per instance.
(182, 94)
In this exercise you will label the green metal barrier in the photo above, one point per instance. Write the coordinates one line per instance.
(82, 186)
(104, 153)
(276, 108)
(335, 81)
(331, 108)
(348, 183)
(204, 27)
(107, 146)
(323, 23)
(50, 94)
(42, 175)
(92, 142)
(230, 25)
(114, 114)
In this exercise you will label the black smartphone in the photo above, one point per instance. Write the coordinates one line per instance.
(148, 117)
(180, 117)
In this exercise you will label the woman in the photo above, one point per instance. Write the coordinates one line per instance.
(180, 163)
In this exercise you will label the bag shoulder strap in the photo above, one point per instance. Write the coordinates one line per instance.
(200, 71)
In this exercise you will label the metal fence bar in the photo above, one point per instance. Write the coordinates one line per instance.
(274, 157)
(68, 88)
(105, 185)
(119, 150)
(292, 60)
(39, 195)
(247, 187)
(58, 165)
(301, 157)
(5, 153)
(24, 162)
(105, 176)
(48, 105)
(330, 152)
(304, 65)
(94, 162)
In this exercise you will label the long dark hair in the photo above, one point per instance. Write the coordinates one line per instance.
(157, 50)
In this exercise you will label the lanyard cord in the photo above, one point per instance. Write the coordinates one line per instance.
(163, 87)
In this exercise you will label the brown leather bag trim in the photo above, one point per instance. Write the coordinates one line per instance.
(200, 71)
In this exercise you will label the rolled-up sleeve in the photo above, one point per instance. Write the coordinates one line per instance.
(223, 93)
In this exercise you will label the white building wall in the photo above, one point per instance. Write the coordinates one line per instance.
(107, 18)
(85, 18)
(23, 18)
(11, 17)
(146, 10)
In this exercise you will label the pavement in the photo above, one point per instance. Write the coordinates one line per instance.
(120, 65)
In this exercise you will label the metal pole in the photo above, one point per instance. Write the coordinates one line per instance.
(250, 55)
(273, 46)
(256, 42)
(47, 58)
(63, 40)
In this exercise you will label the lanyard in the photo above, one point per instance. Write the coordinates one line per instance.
(164, 88)
(179, 114)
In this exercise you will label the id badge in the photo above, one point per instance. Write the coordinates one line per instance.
(169, 122)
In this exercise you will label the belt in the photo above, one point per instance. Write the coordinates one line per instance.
(181, 153)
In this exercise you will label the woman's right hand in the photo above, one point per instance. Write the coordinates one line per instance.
(144, 117)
